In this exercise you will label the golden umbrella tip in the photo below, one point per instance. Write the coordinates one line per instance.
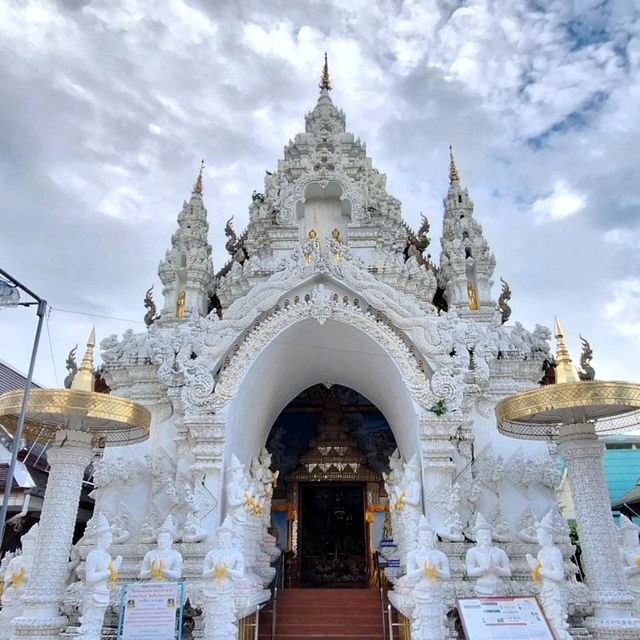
(557, 328)
(565, 370)
(84, 380)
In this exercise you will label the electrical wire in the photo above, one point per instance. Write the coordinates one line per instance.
(96, 315)
(53, 359)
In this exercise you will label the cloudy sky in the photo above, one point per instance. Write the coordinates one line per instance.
(107, 107)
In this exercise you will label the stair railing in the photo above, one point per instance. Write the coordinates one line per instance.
(380, 581)
(278, 582)
(252, 621)
(404, 630)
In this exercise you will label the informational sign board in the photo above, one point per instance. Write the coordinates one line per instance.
(148, 611)
(504, 618)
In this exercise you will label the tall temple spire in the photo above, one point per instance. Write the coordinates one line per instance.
(565, 371)
(325, 81)
(186, 271)
(197, 187)
(84, 379)
(466, 261)
(453, 170)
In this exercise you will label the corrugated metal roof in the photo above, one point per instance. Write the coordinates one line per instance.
(10, 379)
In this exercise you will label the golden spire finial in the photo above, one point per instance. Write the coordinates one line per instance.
(84, 379)
(197, 187)
(565, 371)
(453, 170)
(325, 82)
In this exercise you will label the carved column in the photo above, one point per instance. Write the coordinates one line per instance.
(68, 458)
(207, 437)
(436, 433)
(582, 452)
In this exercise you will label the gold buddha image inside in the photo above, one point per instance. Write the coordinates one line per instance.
(332, 491)
(180, 304)
(473, 298)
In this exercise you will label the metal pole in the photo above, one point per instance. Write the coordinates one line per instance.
(42, 308)
(255, 631)
(21, 286)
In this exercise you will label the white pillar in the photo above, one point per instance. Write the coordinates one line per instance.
(582, 452)
(68, 458)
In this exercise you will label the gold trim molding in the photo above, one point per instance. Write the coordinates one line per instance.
(111, 419)
(540, 413)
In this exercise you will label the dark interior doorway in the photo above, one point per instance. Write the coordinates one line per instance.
(333, 535)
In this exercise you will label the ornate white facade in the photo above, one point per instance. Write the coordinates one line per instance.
(362, 308)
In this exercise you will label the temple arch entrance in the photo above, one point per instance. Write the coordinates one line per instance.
(330, 446)
(310, 352)
(321, 346)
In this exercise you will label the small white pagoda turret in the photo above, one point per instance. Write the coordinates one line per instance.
(186, 271)
(466, 262)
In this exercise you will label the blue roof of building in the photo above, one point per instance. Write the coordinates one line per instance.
(621, 464)
(622, 468)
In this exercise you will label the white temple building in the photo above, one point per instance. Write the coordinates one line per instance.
(329, 306)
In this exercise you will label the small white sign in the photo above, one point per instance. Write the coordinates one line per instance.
(150, 611)
(504, 618)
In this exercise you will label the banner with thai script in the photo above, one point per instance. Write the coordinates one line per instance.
(148, 611)
(503, 618)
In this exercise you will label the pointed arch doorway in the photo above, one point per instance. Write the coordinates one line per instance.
(330, 445)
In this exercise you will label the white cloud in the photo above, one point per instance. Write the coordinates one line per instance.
(624, 310)
(624, 237)
(107, 108)
(561, 203)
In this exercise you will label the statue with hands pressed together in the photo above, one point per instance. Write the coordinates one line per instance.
(547, 572)
(430, 567)
(487, 563)
(163, 563)
(101, 573)
(222, 565)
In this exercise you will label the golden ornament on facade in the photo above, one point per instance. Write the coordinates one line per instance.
(473, 297)
(110, 419)
(542, 412)
(180, 305)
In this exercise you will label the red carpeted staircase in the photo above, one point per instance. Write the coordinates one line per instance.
(327, 614)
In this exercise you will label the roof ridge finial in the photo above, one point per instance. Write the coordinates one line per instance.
(84, 379)
(453, 170)
(197, 187)
(325, 81)
(565, 371)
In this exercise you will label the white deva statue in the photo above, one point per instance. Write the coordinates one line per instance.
(487, 563)
(193, 532)
(163, 563)
(16, 577)
(391, 481)
(100, 574)
(395, 471)
(547, 572)
(238, 490)
(407, 505)
(430, 567)
(630, 553)
(222, 565)
(451, 530)
(120, 528)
